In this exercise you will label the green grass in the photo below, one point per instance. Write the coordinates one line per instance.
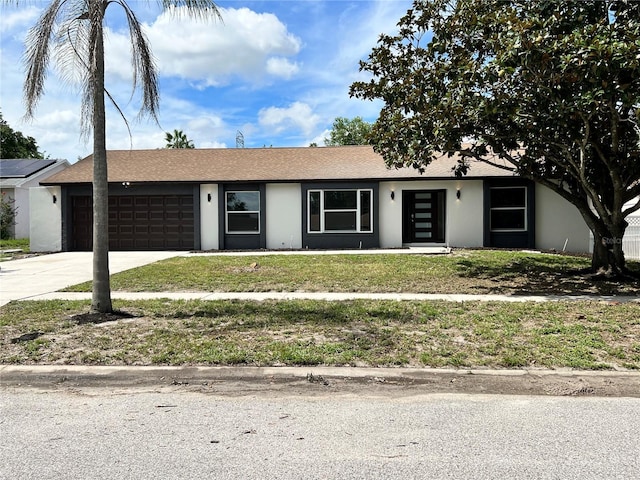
(22, 243)
(579, 334)
(584, 335)
(464, 271)
(10, 244)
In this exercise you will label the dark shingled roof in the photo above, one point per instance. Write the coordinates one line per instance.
(22, 167)
(260, 165)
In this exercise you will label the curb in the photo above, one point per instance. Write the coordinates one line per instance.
(324, 380)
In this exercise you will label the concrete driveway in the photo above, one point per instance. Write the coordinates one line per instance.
(28, 277)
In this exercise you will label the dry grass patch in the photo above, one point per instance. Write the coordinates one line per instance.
(584, 335)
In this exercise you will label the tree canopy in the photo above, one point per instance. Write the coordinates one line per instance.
(13, 144)
(177, 139)
(346, 131)
(548, 89)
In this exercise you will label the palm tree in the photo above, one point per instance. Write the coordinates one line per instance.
(74, 30)
(177, 139)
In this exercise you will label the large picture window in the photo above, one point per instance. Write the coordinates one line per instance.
(243, 212)
(508, 209)
(340, 211)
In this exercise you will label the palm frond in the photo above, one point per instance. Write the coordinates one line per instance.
(144, 70)
(37, 55)
(202, 9)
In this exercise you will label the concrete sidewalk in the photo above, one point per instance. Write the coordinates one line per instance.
(333, 296)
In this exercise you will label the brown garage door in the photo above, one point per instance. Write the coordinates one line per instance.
(138, 222)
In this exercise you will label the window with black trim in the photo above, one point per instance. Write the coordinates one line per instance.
(508, 209)
(339, 211)
(243, 212)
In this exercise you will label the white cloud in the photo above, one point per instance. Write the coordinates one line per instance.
(319, 139)
(245, 44)
(283, 76)
(281, 67)
(11, 20)
(298, 115)
(211, 145)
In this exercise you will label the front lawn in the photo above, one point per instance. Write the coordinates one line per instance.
(463, 271)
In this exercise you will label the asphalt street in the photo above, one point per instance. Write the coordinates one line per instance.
(174, 433)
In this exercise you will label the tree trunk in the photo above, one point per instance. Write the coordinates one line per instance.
(608, 256)
(101, 296)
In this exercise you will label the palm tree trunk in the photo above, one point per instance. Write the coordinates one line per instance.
(101, 296)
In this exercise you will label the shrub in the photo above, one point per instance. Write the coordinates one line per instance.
(7, 216)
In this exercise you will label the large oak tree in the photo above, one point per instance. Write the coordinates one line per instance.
(547, 89)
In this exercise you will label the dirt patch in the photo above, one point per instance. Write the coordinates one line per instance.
(97, 318)
(312, 382)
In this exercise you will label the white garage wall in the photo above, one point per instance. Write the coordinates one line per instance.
(22, 212)
(464, 217)
(557, 222)
(284, 214)
(209, 217)
(45, 232)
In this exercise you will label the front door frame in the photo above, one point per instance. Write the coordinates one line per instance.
(432, 211)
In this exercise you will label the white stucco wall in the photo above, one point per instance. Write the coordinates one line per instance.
(464, 217)
(209, 217)
(557, 222)
(21, 195)
(45, 232)
(23, 215)
(284, 215)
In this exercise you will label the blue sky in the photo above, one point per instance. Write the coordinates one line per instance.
(277, 71)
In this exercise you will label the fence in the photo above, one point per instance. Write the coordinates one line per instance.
(631, 240)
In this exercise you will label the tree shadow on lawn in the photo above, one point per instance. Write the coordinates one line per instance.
(27, 337)
(542, 275)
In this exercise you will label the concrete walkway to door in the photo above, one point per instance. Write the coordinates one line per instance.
(30, 277)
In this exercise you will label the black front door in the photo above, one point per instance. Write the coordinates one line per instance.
(423, 216)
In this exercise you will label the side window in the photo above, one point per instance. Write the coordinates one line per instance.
(242, 212)
(508, 209)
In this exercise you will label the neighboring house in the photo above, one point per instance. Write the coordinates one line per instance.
(17, 176)
(292, 198)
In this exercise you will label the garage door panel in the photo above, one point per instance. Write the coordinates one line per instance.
(151, 222)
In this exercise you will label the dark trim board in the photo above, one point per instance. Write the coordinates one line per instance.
(242, 241)
(340, 240)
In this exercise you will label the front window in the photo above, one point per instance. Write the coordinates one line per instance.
(340, 211)
(243, 212)
(509, 209)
